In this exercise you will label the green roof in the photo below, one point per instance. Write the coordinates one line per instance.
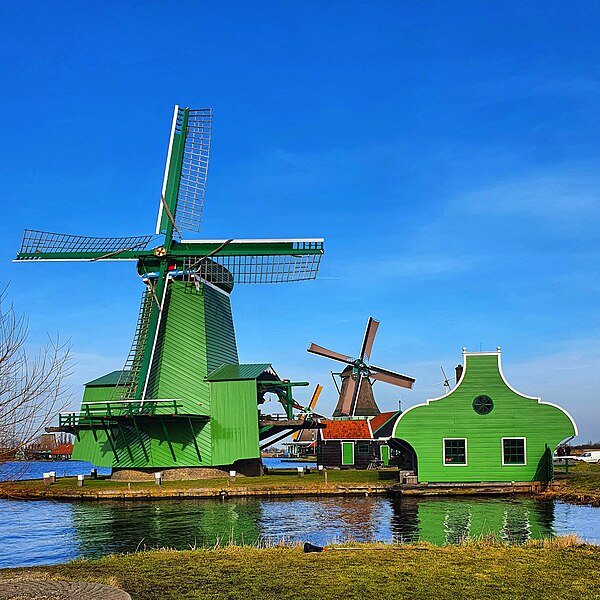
(108, 379)
(237, 372)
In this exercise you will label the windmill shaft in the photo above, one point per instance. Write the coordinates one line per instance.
(250, 247)
(184, 250)
(171, 191)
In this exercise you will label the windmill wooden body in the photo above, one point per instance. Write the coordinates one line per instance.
(182, 399)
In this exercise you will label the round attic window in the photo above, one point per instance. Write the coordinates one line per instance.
(483, 405)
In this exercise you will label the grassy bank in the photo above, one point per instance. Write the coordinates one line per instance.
(582, 485)
(281, 481)
(540, 570)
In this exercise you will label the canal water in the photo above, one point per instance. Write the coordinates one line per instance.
(34, 469)
(46, 532)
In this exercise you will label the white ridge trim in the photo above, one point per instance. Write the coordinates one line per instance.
(253, 241)
(498, 353)
(160, 316)
(166, 175)
(21, 260)
(212, 285)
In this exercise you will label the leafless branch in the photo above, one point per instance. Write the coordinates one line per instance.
(32, 384)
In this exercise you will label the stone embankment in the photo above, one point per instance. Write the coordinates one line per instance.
(16, 493)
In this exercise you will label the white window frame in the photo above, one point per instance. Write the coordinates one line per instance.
(466, 463)
(516, 437)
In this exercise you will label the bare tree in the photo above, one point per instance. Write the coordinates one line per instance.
(32, 385)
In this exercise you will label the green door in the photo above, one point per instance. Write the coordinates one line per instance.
(385, 455)
(347, 453)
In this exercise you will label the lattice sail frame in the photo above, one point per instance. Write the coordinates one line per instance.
(187, 212)
(194, 171)
(261, 268)
(37, 243)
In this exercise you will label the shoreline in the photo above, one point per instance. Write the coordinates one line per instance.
(104, 489)
(164, 493)
(583, 487)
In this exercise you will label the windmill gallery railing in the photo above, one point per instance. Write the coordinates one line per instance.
(101, 412)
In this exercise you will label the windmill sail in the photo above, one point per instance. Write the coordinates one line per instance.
(184, 182)
(44, 245)
(256, 261)
(391, 377)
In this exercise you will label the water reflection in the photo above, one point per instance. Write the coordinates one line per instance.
(126, 526)
(450, 521)
(44, 532)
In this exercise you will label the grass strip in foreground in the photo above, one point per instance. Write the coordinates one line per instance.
(552, 569)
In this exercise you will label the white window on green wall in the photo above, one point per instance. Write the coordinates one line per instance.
(514, 451)
(455, 452)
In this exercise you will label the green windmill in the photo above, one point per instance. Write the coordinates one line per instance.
(182, 399)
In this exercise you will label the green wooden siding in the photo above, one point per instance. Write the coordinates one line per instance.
(347, 453)
(195, 337)
(424, 427)
(234, 421)
(179, 365)
(220, 336)
(93, 447)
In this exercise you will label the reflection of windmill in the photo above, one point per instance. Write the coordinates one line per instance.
(356, 394)
(162, 410)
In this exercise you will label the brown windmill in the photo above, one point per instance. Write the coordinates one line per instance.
(356, 394)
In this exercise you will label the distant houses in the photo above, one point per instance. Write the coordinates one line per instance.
(356, 443)
(483, 430)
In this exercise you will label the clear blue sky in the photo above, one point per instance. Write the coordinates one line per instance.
(447, 151)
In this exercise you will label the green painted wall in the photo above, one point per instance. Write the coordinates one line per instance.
(93, 448)
(234, 421)
(195, 337)
(452, 416)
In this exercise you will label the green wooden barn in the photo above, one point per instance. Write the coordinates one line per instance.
(483, 429)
